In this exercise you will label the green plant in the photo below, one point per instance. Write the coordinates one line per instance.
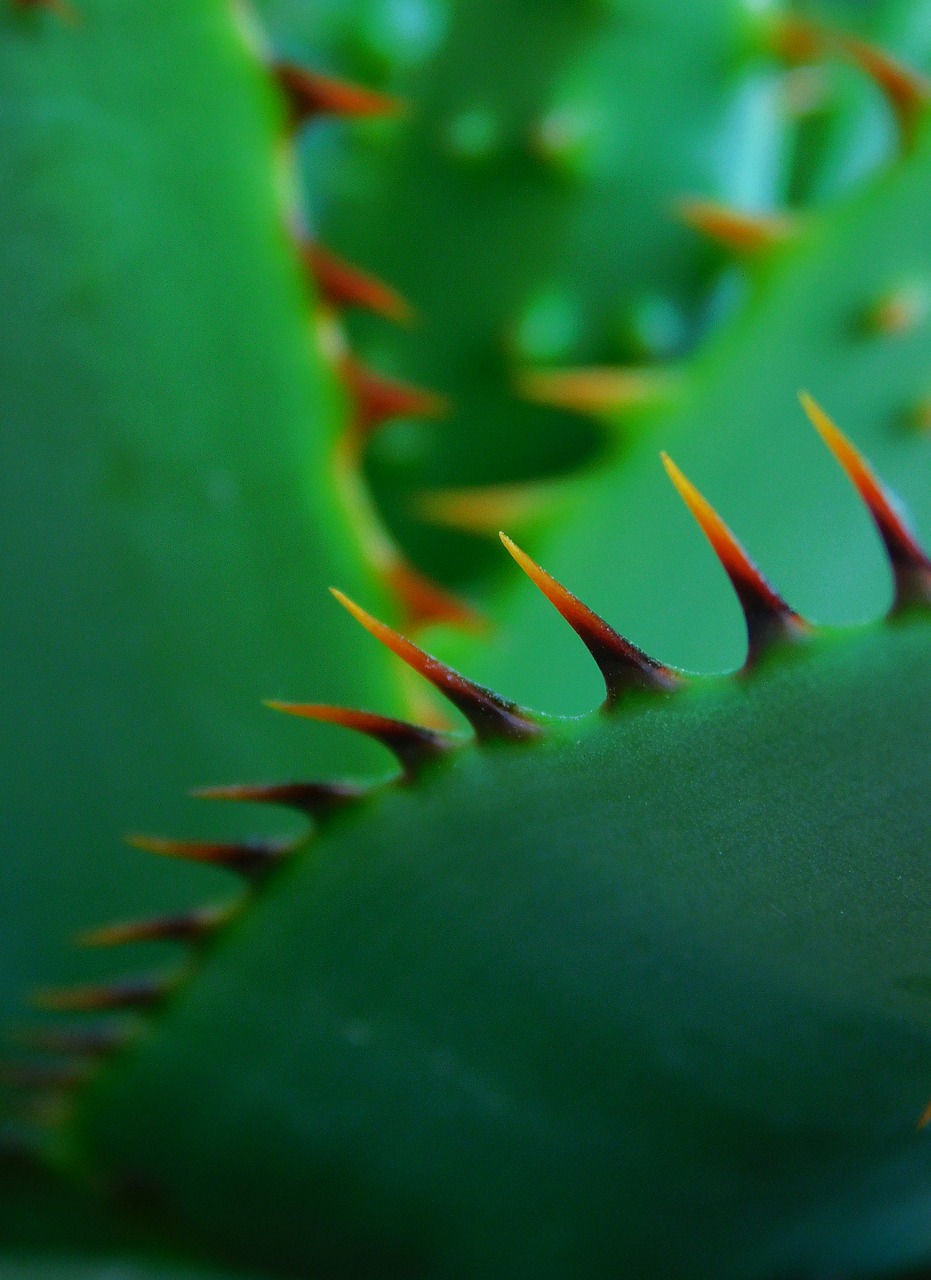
(638, 992)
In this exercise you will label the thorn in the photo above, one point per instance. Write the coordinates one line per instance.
(316, 799)
(622, 664)
(734, 229)
(311, 94)
(250, 859)
(906, 90)
(379, 399)
(43, 1075)
(413, 745)
(131, 993)
(769, 619)
(898, 312)
(483, 511)
(924, 1119)
(83, 1042)
(344, 285)
(911, 568)
(424, 601)
(189, 926)
(61, 8)
(594, 391)
(491, 717)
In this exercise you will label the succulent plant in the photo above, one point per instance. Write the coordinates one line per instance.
(640, 990)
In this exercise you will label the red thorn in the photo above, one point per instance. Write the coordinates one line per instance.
(490, 716)
(311, 94)
(413, 745)
(769, 619)
(911, 568)
(189, 926)
(43, 1075)
(346, 285)
(379, 399)
(83, 1042)
(132, 993)
(622, 664)
(425, 602)
(251, 858)
(316, 799)
(906, 90)
(735, 229)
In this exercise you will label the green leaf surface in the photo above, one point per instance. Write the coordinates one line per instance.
(169, 517)
(653, 989)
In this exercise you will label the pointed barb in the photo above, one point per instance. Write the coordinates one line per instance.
(310, 94)
(737, 231)
(907, 91)
(60, 1077)
(61, 8)
(250, 859)
(188, 926)
(414, 746)
(490, 716)
(425, 602)
(343, 284)
(911, 567)
(315, 799)
(483, 511)
(623, 666)
(769, 619)
(379, 399)
(80, 1042)
(596, 391)
(131, 993)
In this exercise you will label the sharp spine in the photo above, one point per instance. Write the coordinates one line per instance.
(188, 926)
(492, 717)
(81, 1042)
(315, 799)
(412, 745)
(906, 90)
(622, 665)
(378, 399)
(734, 229)
(130, 993)
(911, 567)
(310, 94)
(770, 620)
(343, 284)
(595, 391)
(251, 858)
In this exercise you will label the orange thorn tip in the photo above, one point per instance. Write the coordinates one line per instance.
(924, 1119)
(412, 744)
(310, 94)
(250, 858)
(189, 926)
(315, 799)
(769, 619)
(492, 717)
(379, 399)
(735, 229)
(596, 391)
(482, 511)
(911, 567)
(343, 284)
(131, 993)
(623, 666)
